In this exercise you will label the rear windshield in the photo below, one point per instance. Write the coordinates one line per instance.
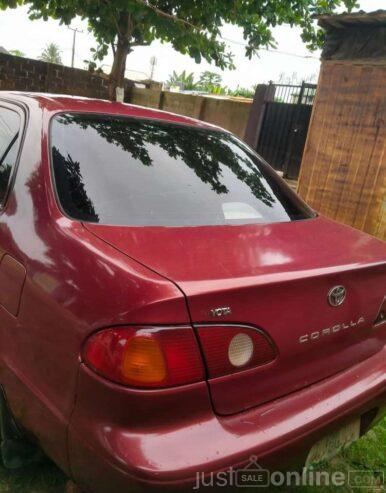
(134, 172)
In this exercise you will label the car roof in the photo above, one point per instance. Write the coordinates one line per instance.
(55, 103)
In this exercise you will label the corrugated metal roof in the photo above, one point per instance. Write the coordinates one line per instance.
(354, 19)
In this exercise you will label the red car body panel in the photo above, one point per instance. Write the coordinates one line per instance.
(260, 272)
(167, 450)
(81, 278)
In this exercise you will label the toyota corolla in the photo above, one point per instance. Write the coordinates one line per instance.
(169, 306)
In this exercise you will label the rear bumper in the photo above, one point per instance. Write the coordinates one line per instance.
(120, 438)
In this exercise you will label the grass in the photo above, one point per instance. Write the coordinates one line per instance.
(41, 478)
(368, 454)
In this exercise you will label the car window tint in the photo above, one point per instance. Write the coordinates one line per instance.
(9, 133)
(126, 171)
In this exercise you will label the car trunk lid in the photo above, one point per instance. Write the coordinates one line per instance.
(275, 278)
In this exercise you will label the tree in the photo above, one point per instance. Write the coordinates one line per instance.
(295, 79)
(51, 54)
(209, 80)
(291, 79)
(17, 53)
(192, 27)
(243, 92)
(183, 80)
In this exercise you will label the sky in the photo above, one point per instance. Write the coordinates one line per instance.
(30, 37)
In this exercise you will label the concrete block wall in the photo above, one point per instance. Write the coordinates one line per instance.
(230, 114)
(25, 74)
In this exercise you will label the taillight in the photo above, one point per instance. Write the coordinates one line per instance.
(230, 349)
(381, 317)
(145, 357)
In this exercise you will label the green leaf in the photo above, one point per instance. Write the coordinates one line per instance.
(191, 26)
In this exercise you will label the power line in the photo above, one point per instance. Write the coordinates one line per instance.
(239, 43)
(287, 53)
(279, 52)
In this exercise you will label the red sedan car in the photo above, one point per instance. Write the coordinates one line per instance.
(169, 306)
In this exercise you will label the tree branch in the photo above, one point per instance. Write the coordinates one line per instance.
(161, 13)
(145, 43)
(116, 21)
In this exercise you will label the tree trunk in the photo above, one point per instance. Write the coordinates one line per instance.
(117, 74)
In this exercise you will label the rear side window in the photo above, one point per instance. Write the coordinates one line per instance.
(9, 145)
(133, 172)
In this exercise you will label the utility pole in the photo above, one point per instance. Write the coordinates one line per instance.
(153, 63)
(76, 30)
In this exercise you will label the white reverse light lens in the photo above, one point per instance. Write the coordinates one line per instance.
(240, 350)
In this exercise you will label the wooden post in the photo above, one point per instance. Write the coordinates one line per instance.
(263, 94)
(161, 100)
(199, 108)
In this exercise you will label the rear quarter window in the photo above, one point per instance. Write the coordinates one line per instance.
(132, 172)
(9, 146)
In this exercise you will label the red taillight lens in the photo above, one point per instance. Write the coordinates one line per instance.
(230, 349)
(145, 357)
(381, 317)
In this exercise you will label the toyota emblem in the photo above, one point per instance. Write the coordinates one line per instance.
(337, 295)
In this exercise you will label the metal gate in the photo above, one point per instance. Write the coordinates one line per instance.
(283, 132)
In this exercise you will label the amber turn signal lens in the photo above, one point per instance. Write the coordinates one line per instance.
(143, 361)
(145, 357)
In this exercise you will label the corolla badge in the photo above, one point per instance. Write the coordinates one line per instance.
(329, 331)
(336, 296)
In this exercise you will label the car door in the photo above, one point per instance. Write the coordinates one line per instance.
(38, 371)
